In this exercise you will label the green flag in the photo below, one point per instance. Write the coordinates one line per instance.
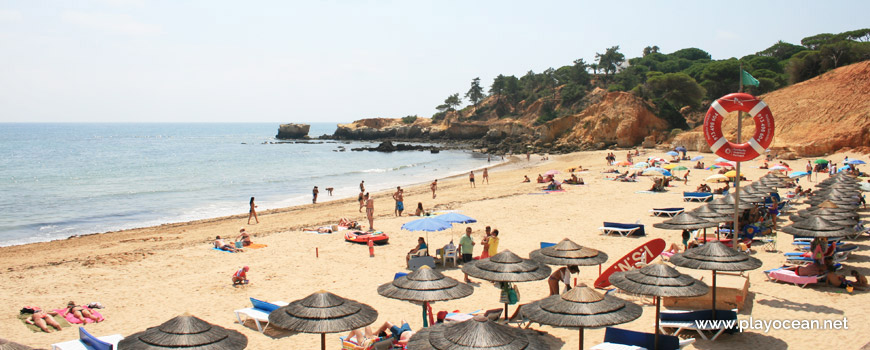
(748, 79)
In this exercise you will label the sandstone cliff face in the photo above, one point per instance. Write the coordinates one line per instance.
(384, 128)
(816, 117)
(618, 118)
(293, 131)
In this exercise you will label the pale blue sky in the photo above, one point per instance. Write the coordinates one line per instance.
(337, 61)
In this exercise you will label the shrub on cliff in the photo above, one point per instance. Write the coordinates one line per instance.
(409, 119)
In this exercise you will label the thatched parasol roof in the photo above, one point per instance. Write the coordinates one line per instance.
(838, 192)
(476, 333)
(507, 267)
(841, 202)
(715, 256)
(323, 312)
(711, 215)
(817, 226)
(658, 280)
(844, 212)
(842, 219)
(185, 332)
(832, 205)
(726, 203)
(566, 253)
(425, 285)
(581, 307)
(8, 345)
(685, 221)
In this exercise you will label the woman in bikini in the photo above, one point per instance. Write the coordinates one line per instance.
(80, 312)
(42, 320)
(253, 212)
(564, 275)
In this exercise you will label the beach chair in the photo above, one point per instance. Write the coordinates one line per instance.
(448, 253)
(547, 244)
(385, 343)
(623, 339)
(421, 260)
(87, 341)
(669, 212)
(259, 313)
(697, 196)
(623, 230)
(786, 275)
(688, 320)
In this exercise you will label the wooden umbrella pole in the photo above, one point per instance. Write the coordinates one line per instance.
(581, 338)
(505, 311)
(658, 311)
(714, 294)
(322, 341)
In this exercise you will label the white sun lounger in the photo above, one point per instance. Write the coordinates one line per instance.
(259, 314)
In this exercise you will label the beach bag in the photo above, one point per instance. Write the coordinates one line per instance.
(509, 294)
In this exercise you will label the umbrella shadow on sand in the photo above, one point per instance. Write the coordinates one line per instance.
(791, 305)
(550, 340)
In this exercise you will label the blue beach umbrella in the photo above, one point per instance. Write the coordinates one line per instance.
(680, 149)
(672, 153)
(842, 168)
(640, 165)
(456, 218)
(657, 170)
(429, 224)
(798, 174)
(856, 162)
(722, 160)
(697, 158)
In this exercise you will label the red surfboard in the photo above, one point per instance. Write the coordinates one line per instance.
(645, 253)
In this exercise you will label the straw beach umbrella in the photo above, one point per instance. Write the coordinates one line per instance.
(185, 332)
(658, 280)
(476, 333)
(582, 307)
(425, 285)
(323, 312)
(8, 345)
(507, 267)
(567, 253)
(715, 256)
(839, 218)
(817, 226)
(687, 221)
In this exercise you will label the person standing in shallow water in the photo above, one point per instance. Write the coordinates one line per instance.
(314, 193)
(253, 212)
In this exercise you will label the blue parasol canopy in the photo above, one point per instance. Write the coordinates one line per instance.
(856, 162)
(456, 218)
(680, 149)
(798, 174)
(672, 153)
(697, 158)
(429, 224)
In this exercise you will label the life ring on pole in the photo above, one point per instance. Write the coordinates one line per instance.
(738, 152)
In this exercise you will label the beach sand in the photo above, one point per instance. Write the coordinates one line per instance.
(147, 276)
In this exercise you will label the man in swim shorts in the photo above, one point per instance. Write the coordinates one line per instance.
(399, 197)
(471, 178)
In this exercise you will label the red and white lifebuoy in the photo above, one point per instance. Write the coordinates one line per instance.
(763, 127)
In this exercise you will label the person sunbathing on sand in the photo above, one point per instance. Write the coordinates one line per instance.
(220, 244)
(365, 337)
(42, 320)
(80, 312)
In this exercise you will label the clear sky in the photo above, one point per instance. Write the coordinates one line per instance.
(338, 61)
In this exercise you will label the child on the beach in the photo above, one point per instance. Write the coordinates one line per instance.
(241, 276)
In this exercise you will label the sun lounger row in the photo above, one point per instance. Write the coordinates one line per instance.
(688, 320)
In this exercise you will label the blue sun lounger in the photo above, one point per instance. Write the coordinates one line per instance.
(669, 212)
(621, 339)
(697, 196)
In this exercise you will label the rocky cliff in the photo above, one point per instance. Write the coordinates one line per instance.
(813, 118)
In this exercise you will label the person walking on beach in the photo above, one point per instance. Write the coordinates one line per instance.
(686, 177)
(370, 211)
(471, 178)
(253, 212)
(433, 187)
(485, 176)
(399, 197)
(466, 246)
(314, 193)
(362, 200)
(362, 186)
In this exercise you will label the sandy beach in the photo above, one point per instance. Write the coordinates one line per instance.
(149, 275)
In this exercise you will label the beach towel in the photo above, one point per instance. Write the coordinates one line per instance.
(649, 192)
(72, 318)
(221, 250)
(60, 320)
(552, 191)
(256, 246)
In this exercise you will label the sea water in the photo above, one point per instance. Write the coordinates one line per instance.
(60, 180)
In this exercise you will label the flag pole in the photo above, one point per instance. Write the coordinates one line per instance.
(735, 230)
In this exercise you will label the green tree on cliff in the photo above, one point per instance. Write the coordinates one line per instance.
(453, 101)
(677, 88)
(610, 60)
(475, 93)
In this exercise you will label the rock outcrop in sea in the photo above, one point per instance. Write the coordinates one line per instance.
(293, 131)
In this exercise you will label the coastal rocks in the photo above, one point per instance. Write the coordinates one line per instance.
(388, 146)
(293, 131)
(466, 131)
(693, 141)
(382, 128)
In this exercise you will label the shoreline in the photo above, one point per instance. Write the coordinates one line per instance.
(279, 210)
